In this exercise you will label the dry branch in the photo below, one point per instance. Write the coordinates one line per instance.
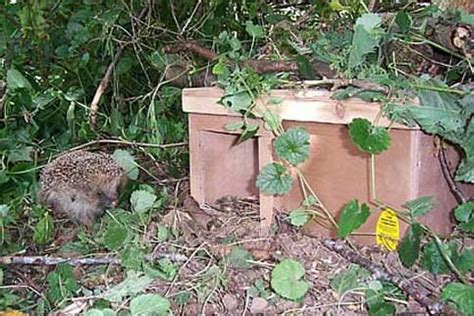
(51, 261)
(105, 80)
(460, 197)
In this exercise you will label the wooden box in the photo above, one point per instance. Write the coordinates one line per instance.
(336, 169)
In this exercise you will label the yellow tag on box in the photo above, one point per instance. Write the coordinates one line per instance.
(387, 230)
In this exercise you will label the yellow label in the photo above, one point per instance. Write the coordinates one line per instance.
(387, 231)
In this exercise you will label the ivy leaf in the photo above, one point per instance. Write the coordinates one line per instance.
(349, 279)
(409, 248)
(15, 80)
(239, 258)
(299, 217)
(115, 235)
(142, 200)
(352, 217)
(127, 162)
(274, 179)
(20, 154)
(368, 138)
(420, 206)
(149, 304)
(460, 296)
(44, 230)
(293, 145)
(286, 280)
(134, 283)
(256, 31)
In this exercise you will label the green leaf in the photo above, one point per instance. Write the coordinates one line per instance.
(293, 145)
(100, 312)
(368, 138)
(274, 179)
(15, 80)
(234, 126)
(163, 233)
(239, 258)
(465, 261)
(61, 283)
(44, 230)
(349, 279)
(272, 121)
(20, 154)
(134, 284)
(465, 171)
(250, 130)
(310, 201)
(365, 40)
(433, 261)
(132, 257)
(352, 217)
(459, 296)
(142, 200)
(404, 21)
(409, 248)
(305, 68)
(127, 162)
(165, 269)
(4, 209)
(149, 304)
(115, 235)
(240, 101)
(299, 217)
(256, 31)
(420, 206)
(463, 212)
(286, 280)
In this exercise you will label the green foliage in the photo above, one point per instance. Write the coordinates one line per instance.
(134, 284)
(293, 145)
(464, 213)
(142, 200)
(61, 283)
(299, 217)
(419, 206)
(274, 179)
(240, 258)
(286, 280)
(115, 235)
(44, 230)
(164, 269)
(149, 304)
(352, 217)
(366, 38)
(432, 258)
(126, 161)
(459, 296)
(368, 138)
(409, 248)
(99, 312)
(348, 280)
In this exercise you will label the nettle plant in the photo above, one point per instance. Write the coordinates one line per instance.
(442, 111)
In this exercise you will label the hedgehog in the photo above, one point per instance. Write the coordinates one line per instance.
(81, 185)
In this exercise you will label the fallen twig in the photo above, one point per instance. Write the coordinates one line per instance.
(51, 261)
(434, 307)
(126, 143)
(105, 80)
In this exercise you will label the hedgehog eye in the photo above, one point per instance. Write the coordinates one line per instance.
(73, 198)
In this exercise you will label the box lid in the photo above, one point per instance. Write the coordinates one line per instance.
(308, 105)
